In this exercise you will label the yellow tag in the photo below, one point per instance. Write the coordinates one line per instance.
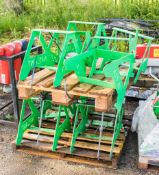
(156, 52)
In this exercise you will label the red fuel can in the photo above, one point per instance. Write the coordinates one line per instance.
(9, 50)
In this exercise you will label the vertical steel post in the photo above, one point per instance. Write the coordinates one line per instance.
(14, 91)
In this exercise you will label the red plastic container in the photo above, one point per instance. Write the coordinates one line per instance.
(1, 54)
(154, 51)
(18, 61)
(1, 51)
(10, 50)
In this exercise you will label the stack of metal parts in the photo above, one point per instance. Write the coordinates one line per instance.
(95, 59)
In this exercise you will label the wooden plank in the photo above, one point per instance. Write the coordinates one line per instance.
(46, 82)
(65, 150)
(85, 153)
(84, 87)
(39, 73)
(42, 146)
(38, 76)
(78, 94)
(98, 90)
(93, 146)
(70, 82)
(43, 138)
(69, 135)
(145, 81)
(74, 159)
(80, 144)
(108, 132)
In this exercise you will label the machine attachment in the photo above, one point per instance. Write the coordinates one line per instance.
(89, 55)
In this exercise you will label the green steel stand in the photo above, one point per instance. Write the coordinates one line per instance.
(24, 124)
(86, 53)
(82, 111)
(62, 126)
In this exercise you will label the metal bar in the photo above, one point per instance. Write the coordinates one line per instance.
(10, 102)
(21, 54)
(100, 135)
(152, 75)
(132, 33)
(112, 38)
(14, 91)
(53, 31)
(83, 22)
(41, 118)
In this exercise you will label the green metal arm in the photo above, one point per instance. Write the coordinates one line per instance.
(133, 33)
(84, 22)
(112, 70)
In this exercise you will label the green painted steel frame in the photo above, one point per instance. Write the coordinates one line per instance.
(24, 124)
(48, 59)
(83, 111)
(33, 119)
(88, 53)
(111, 68)
(62, 126)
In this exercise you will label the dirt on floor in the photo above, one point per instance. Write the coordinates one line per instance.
(15, 163)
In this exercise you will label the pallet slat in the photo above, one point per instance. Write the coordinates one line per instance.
(78, 144)
(82, 137)
(84, 87)
(38, 76)
(70, 81)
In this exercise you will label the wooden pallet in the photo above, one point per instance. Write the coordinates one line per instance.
(148, 163)
(85, 147)
(43, 81)
(145, 81)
